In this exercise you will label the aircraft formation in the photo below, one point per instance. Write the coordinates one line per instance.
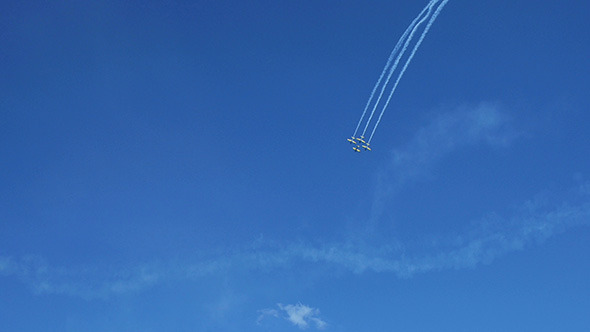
(429, 13)
(358, 142)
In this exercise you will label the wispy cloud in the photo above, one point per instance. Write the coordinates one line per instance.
(86, 282)
(488, 238)
(298, 314)
(264, 313)
(447, 131)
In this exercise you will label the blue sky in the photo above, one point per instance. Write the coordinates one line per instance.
(183, 166)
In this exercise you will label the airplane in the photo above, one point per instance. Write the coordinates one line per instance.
(355, 148)
(367, 147)
(362, 139)
(352, 140)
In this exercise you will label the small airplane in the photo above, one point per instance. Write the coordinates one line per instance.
(355, 148)
(367, 147)
(362, 139)
(352, 140)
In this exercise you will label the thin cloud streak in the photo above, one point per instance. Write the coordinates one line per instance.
(533, 223)
(84, 282)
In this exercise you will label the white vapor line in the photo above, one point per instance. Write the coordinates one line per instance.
(391, 56)
(401, 74)
(400, 55)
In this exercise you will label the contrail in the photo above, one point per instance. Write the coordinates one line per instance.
(406, 44)
(432, 19)
(387, 65)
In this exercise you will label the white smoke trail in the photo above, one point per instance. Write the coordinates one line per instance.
(414, 26)
(387, 65)
(432, 19)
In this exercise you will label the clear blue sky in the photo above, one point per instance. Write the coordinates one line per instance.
(183, 166)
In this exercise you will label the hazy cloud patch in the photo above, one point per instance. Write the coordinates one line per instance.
(298, 314)
(447, 131)
(484, 123)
